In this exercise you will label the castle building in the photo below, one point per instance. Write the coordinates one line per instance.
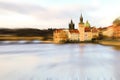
(111, 32)
(60, 36)
(88, 34)
(116, 32)
(73, 35)
(84, 30)
(108, 31)
(83, 33)
(95, 33)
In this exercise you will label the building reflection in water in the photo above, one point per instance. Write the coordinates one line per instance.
(116, 48)
(81, 46)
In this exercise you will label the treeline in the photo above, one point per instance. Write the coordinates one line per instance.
(27, 32)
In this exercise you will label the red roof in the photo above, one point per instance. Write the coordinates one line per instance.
(58, 30)
(87, 29)
(94, 30)
(73, 31)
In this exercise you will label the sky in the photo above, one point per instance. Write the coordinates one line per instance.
(45, 14)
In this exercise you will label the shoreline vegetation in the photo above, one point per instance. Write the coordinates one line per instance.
(26, 34)
(109, 42)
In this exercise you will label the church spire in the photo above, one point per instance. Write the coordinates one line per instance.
(71, 25)
(71, 21)
(81, 19)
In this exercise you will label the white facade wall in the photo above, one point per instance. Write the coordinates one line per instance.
(88, 36)
(74, 36)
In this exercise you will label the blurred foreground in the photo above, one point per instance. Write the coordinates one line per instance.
(59, 62)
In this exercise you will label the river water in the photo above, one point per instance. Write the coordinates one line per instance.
(59, 62)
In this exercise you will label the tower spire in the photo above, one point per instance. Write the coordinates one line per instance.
(71, 21)
(81, 19)
(71, 25)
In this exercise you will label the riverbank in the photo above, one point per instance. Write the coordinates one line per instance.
(109, 42)
(48, 42)
(26, 42)
(14, 39)
(102, 42)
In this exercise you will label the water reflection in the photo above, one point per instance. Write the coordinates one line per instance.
(59, 62)
(116, 48)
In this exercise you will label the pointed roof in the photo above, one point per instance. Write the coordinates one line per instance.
(71, 25)
(81, 16)
(71, 21)
(81, 19)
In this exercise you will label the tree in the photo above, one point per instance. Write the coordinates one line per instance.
(117, 22)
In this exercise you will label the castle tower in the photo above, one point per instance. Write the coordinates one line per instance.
(81, 29)
(71, 25)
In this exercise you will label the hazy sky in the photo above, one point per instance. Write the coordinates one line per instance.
(56, 13)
